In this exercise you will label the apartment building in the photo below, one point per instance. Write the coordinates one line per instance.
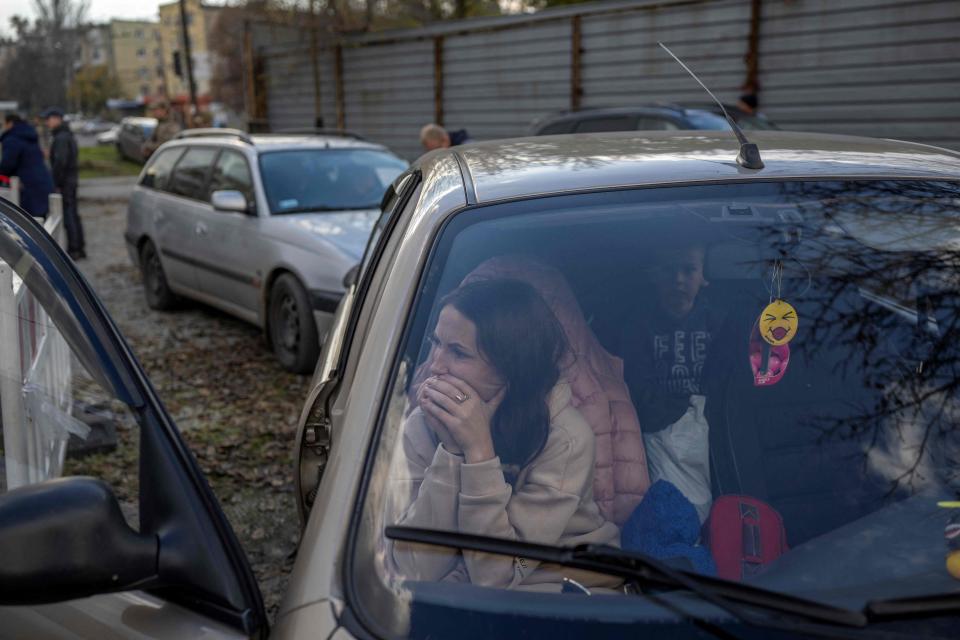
(92, 44)
(137, 57)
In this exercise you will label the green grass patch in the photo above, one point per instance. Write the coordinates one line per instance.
(103, 161)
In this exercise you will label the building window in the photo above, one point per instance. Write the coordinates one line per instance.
(138, 33)
(141, 53)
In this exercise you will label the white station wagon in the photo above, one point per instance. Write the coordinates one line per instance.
(262, 227)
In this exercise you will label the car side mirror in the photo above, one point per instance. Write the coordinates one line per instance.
(350, 277)
(228, 200)
(67, 538)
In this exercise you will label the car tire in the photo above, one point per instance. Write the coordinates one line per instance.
(159, 295)
(293, 332)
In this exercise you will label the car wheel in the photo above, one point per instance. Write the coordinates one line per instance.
(159, 295)
(293, 333)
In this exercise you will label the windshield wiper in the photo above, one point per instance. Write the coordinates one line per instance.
(920, 606)
(649, 572)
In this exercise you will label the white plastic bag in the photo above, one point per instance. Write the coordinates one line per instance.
(680, 454)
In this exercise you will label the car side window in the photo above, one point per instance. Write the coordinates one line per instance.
(232, 172)
(612, 123)
(653, 123)
(190, 175)
(157, 175)
(557, 128)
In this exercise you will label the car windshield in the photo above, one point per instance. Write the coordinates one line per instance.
(308, 180)
(758, 382)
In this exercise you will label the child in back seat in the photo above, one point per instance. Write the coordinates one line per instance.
(664, 347)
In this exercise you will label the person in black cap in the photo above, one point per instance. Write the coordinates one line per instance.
(63, 162)
(23, 158)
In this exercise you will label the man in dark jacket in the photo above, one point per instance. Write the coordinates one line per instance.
(63, 161)
(23, 158)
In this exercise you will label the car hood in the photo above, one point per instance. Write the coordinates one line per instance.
(348, 231)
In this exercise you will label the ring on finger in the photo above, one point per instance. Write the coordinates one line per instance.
(461, 397)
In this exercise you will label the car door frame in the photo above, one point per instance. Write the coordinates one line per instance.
(314, 430)
(210, 575)
(352, 398)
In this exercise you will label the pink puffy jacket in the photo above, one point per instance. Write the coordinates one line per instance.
(599, 391)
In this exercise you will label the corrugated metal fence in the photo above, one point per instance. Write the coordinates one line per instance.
(887, 68)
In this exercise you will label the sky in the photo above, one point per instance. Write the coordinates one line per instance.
(100, 10)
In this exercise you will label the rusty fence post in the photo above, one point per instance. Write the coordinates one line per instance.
(576, 63)
(315, 60)
(438, 80)
(338, 89)
(249, 76)
(753, 48)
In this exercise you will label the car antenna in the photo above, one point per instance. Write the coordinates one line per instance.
(749, 156)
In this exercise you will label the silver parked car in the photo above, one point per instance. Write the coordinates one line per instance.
(554, 353)
(262, 227)
(133, 132)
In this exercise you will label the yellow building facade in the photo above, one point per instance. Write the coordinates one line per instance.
(137, 57)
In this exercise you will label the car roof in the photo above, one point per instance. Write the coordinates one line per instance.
(595, 112)
(268, 143)
(520, 167)
(277, 142)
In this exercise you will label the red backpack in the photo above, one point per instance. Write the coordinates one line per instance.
(744, 535)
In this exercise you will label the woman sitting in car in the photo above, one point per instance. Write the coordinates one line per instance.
(495, 447)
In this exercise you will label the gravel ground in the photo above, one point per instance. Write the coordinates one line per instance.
(236, 408)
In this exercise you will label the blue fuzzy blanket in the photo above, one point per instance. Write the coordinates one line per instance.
(665, 526)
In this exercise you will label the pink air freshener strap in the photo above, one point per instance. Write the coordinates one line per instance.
(769, 373)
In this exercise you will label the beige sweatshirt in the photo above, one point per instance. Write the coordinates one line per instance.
(552, 504)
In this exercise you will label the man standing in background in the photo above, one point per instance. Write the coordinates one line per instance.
(63, 162)
(23, 158)
(433, 136)
(167, 128)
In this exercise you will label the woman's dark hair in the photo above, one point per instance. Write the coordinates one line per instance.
(520, 336)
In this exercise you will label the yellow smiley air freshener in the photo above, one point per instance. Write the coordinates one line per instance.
(778, 323)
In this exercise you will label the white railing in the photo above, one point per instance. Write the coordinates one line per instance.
(35, 377)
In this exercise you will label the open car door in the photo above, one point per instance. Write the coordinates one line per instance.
(82, 554)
